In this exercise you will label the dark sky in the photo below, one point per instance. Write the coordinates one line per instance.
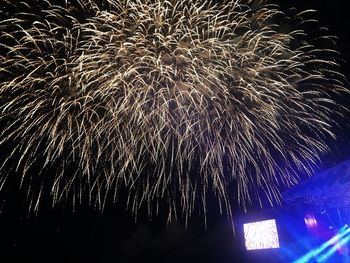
(56, 235)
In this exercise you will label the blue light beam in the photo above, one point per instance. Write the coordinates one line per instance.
(315, 252)
(333, 249)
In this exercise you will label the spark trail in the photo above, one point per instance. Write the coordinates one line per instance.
(170, 100)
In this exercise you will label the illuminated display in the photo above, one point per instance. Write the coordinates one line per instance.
(261, 235)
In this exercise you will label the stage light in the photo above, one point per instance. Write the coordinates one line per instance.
(333, 249)
(261, 235)
(317, 251)
(310, 221)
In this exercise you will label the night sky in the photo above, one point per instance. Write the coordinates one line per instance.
(86, 235)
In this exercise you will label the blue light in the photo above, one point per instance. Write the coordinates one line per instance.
(333, 249)
(315, 252)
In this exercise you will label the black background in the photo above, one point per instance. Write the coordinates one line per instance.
(58, 235)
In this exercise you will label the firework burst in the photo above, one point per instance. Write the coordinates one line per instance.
(169, 100)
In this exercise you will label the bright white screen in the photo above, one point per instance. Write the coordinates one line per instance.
(261, 235)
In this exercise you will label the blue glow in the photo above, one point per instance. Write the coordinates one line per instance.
(315, 252)
(333, 249)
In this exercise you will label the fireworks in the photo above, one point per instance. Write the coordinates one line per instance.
(169, 100)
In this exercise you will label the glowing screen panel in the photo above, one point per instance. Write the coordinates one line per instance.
(261, 235)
